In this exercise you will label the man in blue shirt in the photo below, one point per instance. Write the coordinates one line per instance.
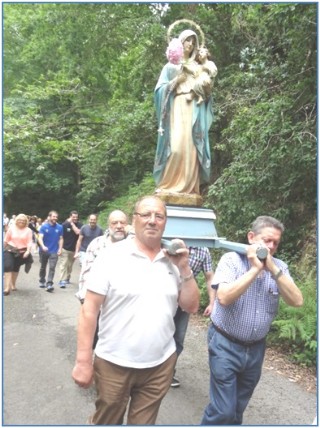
(247, 299)
(50, 243)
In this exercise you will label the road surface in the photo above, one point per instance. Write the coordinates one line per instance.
(39, 341)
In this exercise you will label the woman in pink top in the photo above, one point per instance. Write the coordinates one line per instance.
(17, 251)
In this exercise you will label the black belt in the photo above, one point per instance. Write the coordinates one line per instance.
(239, 342)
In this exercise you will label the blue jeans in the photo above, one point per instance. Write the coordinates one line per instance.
(46, 257)
(235, 371)
(181, 320)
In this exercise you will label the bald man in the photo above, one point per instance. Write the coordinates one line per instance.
(117, 230)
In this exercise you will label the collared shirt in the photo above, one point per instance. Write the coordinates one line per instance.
(136, 325)
(200, 260)
(250, 316)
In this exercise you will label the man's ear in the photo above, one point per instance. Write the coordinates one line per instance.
(250, 237)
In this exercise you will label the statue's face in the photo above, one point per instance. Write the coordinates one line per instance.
(188, 45)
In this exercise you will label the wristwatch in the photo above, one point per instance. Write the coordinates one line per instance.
(277, 275)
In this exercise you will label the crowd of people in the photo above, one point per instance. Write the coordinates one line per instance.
(136, 298)
(51, 241)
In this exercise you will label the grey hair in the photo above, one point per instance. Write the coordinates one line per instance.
(266, 221)
(154, 197)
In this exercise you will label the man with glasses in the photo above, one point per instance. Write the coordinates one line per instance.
(138, 286)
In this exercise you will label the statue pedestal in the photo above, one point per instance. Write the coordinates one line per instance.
(184, 199)
(192, 224)
(195, 226)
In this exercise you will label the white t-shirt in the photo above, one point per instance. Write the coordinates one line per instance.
(136, 324)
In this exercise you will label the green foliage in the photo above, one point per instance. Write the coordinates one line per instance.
(296, 328)
(84, 100)
(127, 201)
(204, 298)
(266, 121)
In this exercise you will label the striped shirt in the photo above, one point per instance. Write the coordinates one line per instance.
(250, 316)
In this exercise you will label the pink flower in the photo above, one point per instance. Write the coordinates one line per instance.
(174, 51)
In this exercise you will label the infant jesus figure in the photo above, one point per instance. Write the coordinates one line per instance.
(204, 79)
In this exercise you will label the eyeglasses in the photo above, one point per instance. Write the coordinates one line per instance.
(147, 216)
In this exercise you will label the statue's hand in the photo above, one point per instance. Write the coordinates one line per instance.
(181, 78)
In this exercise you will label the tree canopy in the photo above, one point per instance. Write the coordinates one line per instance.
(79, 118)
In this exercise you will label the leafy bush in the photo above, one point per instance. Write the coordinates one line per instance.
(127, 201)
(296, 328)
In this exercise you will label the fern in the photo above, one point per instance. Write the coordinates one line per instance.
(297, 327)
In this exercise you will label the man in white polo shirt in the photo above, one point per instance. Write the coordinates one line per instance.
(138, 287)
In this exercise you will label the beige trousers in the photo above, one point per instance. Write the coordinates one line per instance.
(66, 263)
(145, 388)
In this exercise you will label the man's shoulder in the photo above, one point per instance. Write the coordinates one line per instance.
(110, 250)
(234, 257)
(48, 226)
(201, 252)
(120, 246)
(85, 228)
(98, 243)
(58, 227)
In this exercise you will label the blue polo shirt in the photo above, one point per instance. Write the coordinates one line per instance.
(51, 236)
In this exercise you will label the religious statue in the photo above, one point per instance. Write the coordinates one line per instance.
(184, 111)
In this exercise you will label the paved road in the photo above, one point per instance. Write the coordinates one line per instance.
(39, 350)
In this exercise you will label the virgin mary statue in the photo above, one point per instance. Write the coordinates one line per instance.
(182, 159)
